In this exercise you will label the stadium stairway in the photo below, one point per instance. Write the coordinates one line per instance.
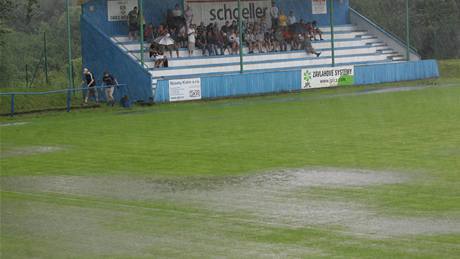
(352, 46)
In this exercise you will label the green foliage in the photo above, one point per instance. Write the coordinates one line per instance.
(434, 24)
(24, 45)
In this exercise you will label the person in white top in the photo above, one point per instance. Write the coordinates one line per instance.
(177, 12)
(291, 19)
(188, 15)
(274, 14)
(191, 40)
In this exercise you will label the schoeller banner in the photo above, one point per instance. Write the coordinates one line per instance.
(209, 11)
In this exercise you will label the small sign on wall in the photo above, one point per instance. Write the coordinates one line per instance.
(319, 6)
(118, 9)
(327, 77)
(185, 89)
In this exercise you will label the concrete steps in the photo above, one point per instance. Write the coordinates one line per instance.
(351, 47)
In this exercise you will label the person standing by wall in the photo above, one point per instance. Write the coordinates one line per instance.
(109, 83)
(133, 24)
(274, 14)
(91, 84)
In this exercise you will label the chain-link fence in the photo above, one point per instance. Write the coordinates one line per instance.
(434, 24)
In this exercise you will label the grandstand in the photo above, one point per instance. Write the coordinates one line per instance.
(357, 42)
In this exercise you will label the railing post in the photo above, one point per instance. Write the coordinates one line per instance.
(331, 21)
(407, 31)
(68, 100)
(46, 58)
(240, 31)
(12, 105)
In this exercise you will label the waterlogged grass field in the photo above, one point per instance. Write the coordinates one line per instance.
(360, 172)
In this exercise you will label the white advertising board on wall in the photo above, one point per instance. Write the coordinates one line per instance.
(118, 9)
(327, 77)
(211, 11)
(318, 7)
(185, 89)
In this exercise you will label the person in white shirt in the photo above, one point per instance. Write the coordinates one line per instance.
(291, 19)
(188, 15)
(177, 12)
(191, 40)
(274, 14)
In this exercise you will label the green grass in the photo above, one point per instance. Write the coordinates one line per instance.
(414, 133)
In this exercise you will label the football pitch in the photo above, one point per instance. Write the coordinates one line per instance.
(354, 172)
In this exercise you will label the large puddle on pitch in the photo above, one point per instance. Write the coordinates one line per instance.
(273, 198)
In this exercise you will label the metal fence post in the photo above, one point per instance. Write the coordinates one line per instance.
(12, 105)
(69, 45)
(46, 58)
(27, 75)
(331, 18)
(240, 31)
(407, 31)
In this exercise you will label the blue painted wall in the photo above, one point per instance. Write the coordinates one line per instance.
(101, 54)
(394, 72)
(303, 9)
(213, 87)
(154, 12)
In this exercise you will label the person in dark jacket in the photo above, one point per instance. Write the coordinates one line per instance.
(91, 84)
(109, 83)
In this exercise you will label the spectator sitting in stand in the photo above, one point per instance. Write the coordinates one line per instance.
(220, 40)
(149, 33)
(233, 42)
(316, 31)
(201, 41)
(260, 39)
(279, 36)
(212, 42)
(227, 28)
(159, 59)
(291, 19)
(306, 44)
(250, 39)
(176, 45)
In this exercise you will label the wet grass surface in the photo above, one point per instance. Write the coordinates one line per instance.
(218, 179)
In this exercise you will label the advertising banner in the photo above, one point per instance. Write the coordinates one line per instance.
(185, 89)
(318, 7)
(327, 77)
(211, 11)
(118, 9)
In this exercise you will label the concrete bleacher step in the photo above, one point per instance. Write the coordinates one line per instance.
(351, 47)
(267, 57)
(254, 66)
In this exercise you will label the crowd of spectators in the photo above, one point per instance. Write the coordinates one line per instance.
(180, 32)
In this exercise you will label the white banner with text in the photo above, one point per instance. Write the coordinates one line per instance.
(318, 7)
(118, 9)
(327, 77)
(185, 89)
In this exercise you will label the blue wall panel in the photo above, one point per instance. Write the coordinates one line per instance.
(101, 54)
(154, 12)
(394, 72)
(213, 87)
(303, 9)
(232, 85)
